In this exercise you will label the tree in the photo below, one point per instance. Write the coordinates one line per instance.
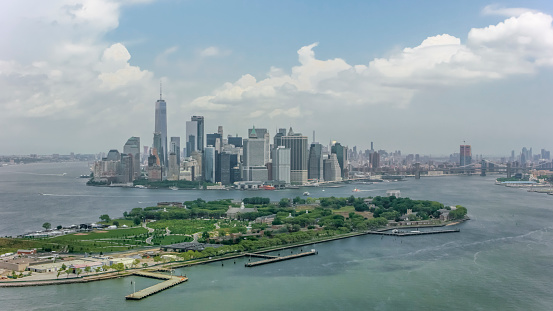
(145, 265)
(135, 262)
(63, 267)
(46, 225)
(68, 271)
(284, 202)
(98, 269)
(105, 218)
(136, 221)
(205, 235)
(59, 227)
(119, 267)
(116, 223)
(87, 269)
(59, 272)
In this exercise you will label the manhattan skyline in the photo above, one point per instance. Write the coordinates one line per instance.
(421, 78)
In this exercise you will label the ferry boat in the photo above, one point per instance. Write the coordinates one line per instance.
(268, 187)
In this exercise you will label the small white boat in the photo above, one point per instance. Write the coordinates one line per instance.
(306, 193)
(173, 188)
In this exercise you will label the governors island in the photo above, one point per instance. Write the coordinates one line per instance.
(178, 234)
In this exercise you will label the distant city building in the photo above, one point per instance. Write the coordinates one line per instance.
(214, 140)
(297, 143)
(173, 170)
(253, 167)
(127, 171)
(331, 169)
(281, 164)
(315, 162)
(113, 155)
(465, 155)
(175, 148)
(154, 169)
(191, 137)
(200, 132)
(227, 162)
(161, 128)
(235, 140)
(209, 164)
(158, 147)
(342, 156)
(374, 160)
(132, 148)
(278, 137)
(262, 133)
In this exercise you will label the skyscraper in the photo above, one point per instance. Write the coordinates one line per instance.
(281, 164)
(175, 148)
(263, 134)
(200, 132)
(298, 156)
(157, 147)
(132, 148)
(161, 128)
(465, 155)
(332, 168)
(191, 137)
(214, 140)
(254, 158)
(342, 156)
(209, 164)
(173, 167)
(315, 162)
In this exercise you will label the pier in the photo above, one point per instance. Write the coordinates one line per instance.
(277, 258)
(260, 255)
(170, 281)
(410, 233)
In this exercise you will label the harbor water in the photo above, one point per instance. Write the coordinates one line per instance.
(500, 260)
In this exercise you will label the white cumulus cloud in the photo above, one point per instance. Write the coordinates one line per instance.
(519, 45)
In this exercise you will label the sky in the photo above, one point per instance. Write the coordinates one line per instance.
(416, 76)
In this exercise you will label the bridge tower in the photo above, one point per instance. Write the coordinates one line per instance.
(483, 166)
(509, 170)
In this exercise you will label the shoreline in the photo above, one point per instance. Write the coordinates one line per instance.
(194, 262)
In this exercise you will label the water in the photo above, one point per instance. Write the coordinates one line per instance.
(501, 259)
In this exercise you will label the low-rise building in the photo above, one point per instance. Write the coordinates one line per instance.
(232, 212)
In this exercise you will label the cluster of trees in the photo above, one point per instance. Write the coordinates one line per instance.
(392, 208)
(458, 213)
(257, 200)
(336, 203)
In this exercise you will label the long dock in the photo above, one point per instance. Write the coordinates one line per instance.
(260, 255)
(276, 258)
(170, 281)
(410, 233)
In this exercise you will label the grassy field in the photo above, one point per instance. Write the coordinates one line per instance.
(184, 226)
(90, 242)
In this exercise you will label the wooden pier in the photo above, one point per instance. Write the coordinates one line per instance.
(276, 258)
(170, 281)
(410, 233)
